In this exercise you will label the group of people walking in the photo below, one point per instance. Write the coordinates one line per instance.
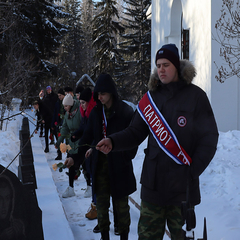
(175, 116)
(62, 115)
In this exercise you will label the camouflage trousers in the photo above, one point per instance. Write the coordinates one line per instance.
(153, 219)
(103, 193)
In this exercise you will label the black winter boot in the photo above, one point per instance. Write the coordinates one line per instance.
(116, 232)
(105, 235)
(96, 229)
(124, 236)
(59, 156)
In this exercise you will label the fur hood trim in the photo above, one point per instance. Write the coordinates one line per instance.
(187, 74)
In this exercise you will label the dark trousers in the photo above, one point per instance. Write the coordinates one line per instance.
(47, 128)
(74, 169)
(72, 173)
(41, 128)
(55, 133)
(103, 193)
(87, 176)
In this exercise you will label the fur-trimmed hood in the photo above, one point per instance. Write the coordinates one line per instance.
(187, 73)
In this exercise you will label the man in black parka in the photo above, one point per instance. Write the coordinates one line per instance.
(188, 113)
(112, 174)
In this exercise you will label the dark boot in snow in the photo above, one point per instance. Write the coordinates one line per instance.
(59, 156)
(116, 232)
(105, 235)
(124, 236)
(96, 229)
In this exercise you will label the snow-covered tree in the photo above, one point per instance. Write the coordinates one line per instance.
(70, 60)
(87, 14)
(42, 28)
(105, 30)
(30, 34)
(136, 49)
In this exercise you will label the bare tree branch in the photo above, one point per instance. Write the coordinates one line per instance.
(228, 35)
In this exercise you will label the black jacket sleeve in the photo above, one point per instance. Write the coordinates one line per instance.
(132, 136)
(205, 128)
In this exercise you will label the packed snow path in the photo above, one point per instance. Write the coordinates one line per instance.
(77, 206)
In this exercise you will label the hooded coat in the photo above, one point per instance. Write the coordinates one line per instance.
(70, 124)
(165, 182)
(84, 118)
(50, 99)
(58, 114)
(78, 134)
(43, 113)
(122, 179)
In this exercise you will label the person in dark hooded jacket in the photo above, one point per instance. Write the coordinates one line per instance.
(57, 119)
(172, 106)
(50, 100)
(41, 98)
(44, 116)
(87, 103)
(112, 174)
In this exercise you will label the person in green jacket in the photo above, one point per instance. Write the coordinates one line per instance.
(70, 124)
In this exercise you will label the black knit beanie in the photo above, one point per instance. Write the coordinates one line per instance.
(60, 91)
(79, 89)
(86, 95)
(68, 89)
(170, 52)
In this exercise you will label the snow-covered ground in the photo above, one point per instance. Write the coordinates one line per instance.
(65, 218)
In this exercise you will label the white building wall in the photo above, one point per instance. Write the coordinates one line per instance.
(199, 17)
